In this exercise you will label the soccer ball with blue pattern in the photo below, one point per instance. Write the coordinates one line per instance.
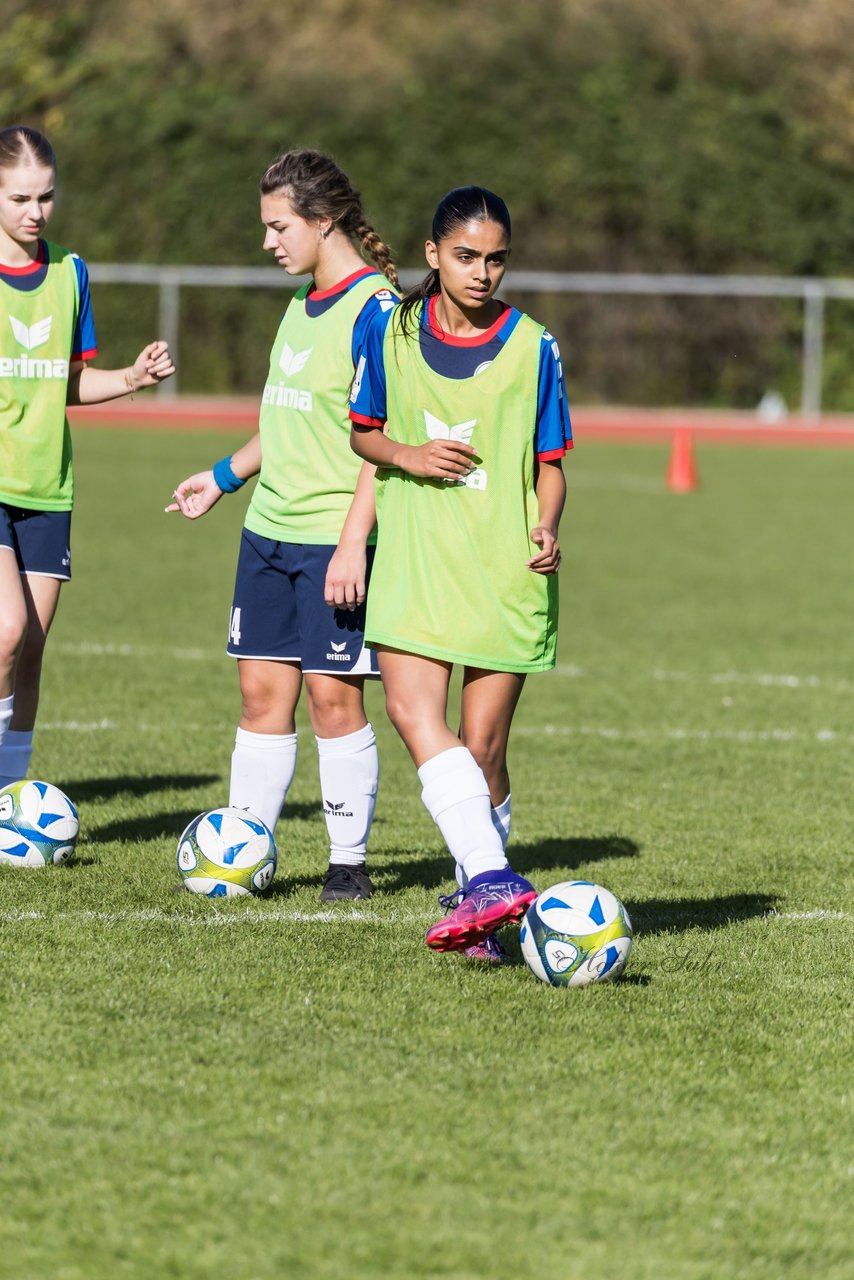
(576, 933)
(227, 852)
(38, 825)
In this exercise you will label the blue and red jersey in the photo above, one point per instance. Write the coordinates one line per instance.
(382, 303)
(463, 358)
(25, 279)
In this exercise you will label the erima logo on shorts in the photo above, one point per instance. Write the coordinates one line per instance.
(290, 362)
(30, 338)
(462, 431)
(338, 653)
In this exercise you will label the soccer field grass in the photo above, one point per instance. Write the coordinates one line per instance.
(264, 1088)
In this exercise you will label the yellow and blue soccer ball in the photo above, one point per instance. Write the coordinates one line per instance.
(227, 852)
(575, 933)
(38, 825)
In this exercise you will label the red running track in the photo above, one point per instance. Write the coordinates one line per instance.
(195, 413)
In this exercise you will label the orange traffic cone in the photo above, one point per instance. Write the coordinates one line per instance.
(681, 469)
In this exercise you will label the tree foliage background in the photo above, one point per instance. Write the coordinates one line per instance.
(624, 134)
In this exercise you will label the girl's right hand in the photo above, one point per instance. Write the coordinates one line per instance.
(438, 459)
(195, 495)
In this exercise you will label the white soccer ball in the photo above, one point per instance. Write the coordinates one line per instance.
(38, 825)
(575, 933)
(226, 852)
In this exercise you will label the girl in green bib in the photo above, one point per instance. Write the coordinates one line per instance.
(460, 403)
(47, 337)
(306, 549)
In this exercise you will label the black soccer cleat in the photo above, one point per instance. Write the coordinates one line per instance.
(341, 884)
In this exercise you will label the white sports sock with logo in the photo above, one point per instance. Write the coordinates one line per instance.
(16, 749)
(349, 776)
(262, 770)
(456, 796)
(500, 814)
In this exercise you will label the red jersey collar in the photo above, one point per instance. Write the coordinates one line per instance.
(317, 295)
(477, 341)
(28, 270)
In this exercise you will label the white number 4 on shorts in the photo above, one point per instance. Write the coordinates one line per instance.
(234, 628)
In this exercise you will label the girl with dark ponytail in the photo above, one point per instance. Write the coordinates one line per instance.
(306, 549)
(462, 407)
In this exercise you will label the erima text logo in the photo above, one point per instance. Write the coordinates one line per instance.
(287, 397)
(461, 431)
(338, 653)
(336, 810)
(24, 366)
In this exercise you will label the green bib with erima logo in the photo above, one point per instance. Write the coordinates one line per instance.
(308, 470)
(450, 579)
(36, 335)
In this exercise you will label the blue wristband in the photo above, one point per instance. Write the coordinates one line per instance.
(225, 477)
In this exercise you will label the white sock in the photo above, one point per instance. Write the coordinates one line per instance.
(6, 705)
(16, 748)
(500, 814)
(501, 820)
(262, 770)
(349, 775)
(456, 796)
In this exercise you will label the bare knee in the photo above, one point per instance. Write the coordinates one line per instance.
(490, 752)
(268, 700)
(402, 713)
(13, 633)
(335, 707)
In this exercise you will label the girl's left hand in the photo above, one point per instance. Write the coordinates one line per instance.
(152, 365)
(345, 578)
(548, 559)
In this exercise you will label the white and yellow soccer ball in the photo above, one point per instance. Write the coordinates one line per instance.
(38, 825)
(575, 933)
(227, 852)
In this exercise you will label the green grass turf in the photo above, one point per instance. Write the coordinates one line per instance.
(196, 1089)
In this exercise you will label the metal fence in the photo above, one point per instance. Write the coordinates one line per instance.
(814, 293)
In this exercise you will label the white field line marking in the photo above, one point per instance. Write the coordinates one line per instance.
(762, 679)
(88, 649)
(567, 670)
(80, 726)
(683, 735)
(819, 914)
(155, 916)
(824, 736)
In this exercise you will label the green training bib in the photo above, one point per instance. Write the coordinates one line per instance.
(450, 579)
(36, 336)
(308, 470)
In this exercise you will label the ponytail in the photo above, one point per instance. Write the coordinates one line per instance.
(375, 248)
(428, 288)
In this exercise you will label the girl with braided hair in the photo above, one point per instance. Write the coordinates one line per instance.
(307, 544)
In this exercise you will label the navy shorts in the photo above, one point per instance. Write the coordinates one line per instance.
(279, 613)
(41, 540)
